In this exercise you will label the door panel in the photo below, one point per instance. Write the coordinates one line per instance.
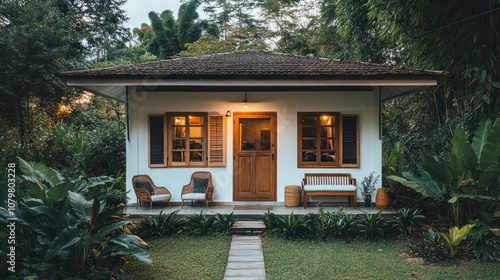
(254, 149)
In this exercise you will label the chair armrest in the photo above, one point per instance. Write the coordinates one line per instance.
(161, 190)
(209, 192)
(187, 189)
(142, 193)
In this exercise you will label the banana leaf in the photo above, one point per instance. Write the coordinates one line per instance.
(81, 207)
(491, 147)
(456, 196)
(68, 237)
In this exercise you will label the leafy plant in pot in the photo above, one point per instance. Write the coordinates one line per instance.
(368, 184)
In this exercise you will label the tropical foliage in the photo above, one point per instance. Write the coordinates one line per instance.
(467, 178)
(62, 234)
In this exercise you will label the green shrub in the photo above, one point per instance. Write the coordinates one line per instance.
(294, 226)
(62, 234)
(407, 219)
(454, 236)
(163, 225)
(372, 226)
(485, 245)
(223, 223)
(430, 247)
(199, 224)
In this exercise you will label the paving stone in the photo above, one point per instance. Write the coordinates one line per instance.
(245, 252)
(246, 258)
(244, 265)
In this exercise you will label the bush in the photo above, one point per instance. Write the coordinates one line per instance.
(61, 234)
(163, 225)
(407, 218)
(199, 224)
(372, 226)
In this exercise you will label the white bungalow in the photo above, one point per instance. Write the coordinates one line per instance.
(256, 120)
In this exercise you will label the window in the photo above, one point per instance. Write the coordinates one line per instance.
(327, 140)
(187, 140)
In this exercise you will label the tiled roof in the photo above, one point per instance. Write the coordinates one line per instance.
(254, 64)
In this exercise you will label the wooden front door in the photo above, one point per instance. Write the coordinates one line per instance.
(254, 150)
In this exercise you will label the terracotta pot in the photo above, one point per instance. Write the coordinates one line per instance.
(382, 199)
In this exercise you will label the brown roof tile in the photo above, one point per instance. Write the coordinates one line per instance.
(253, 64)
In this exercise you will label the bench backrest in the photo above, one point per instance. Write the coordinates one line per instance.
(327, 179)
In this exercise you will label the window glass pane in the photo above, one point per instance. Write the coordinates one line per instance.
(196, 156)
(255, 134)
(179, 132)
(327, 131)
(195, 131)
(195, 120)
(308, 156)
(179, 144)
(195, 144)
(327, 144)
(327, 120)
(328, 157)
(178, 156)
(308, 144)
(308, 131)
(309, 120)
(179, 120)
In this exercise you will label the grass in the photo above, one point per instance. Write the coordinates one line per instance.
(191, 257)
(305, 259)
(182, 257)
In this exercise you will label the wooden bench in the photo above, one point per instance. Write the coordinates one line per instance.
(329, 184)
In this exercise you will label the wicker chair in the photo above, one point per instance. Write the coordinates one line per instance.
(199, 188)
(147, 191)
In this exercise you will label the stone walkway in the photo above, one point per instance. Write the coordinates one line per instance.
(246, 260)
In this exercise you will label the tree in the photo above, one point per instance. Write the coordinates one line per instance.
(101, 21)
(38, 40)
(167, 36)
(35, 45)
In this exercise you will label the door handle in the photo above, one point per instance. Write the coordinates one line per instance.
(272, 156)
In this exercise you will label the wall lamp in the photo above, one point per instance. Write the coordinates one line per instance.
(245, 101)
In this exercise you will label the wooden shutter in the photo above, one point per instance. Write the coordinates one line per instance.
(350, 141)
(156, 143)
(216, 140)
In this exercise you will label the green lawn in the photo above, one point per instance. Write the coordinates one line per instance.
(187, 257)
(183, 257)
(285, 259)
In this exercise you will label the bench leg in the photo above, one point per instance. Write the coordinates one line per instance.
(305, 200)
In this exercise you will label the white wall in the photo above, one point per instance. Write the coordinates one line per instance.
(286, 104)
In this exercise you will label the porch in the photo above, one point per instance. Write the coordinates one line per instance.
(247, 213)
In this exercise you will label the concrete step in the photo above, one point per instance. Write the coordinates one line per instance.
(248, 227)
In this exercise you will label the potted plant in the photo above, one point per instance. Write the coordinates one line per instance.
(368, 184)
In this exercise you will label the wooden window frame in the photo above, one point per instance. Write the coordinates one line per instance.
(169, 118)
(338, 142)
(318, 163)
(213, 135)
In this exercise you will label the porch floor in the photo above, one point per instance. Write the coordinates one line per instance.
(242, 214)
